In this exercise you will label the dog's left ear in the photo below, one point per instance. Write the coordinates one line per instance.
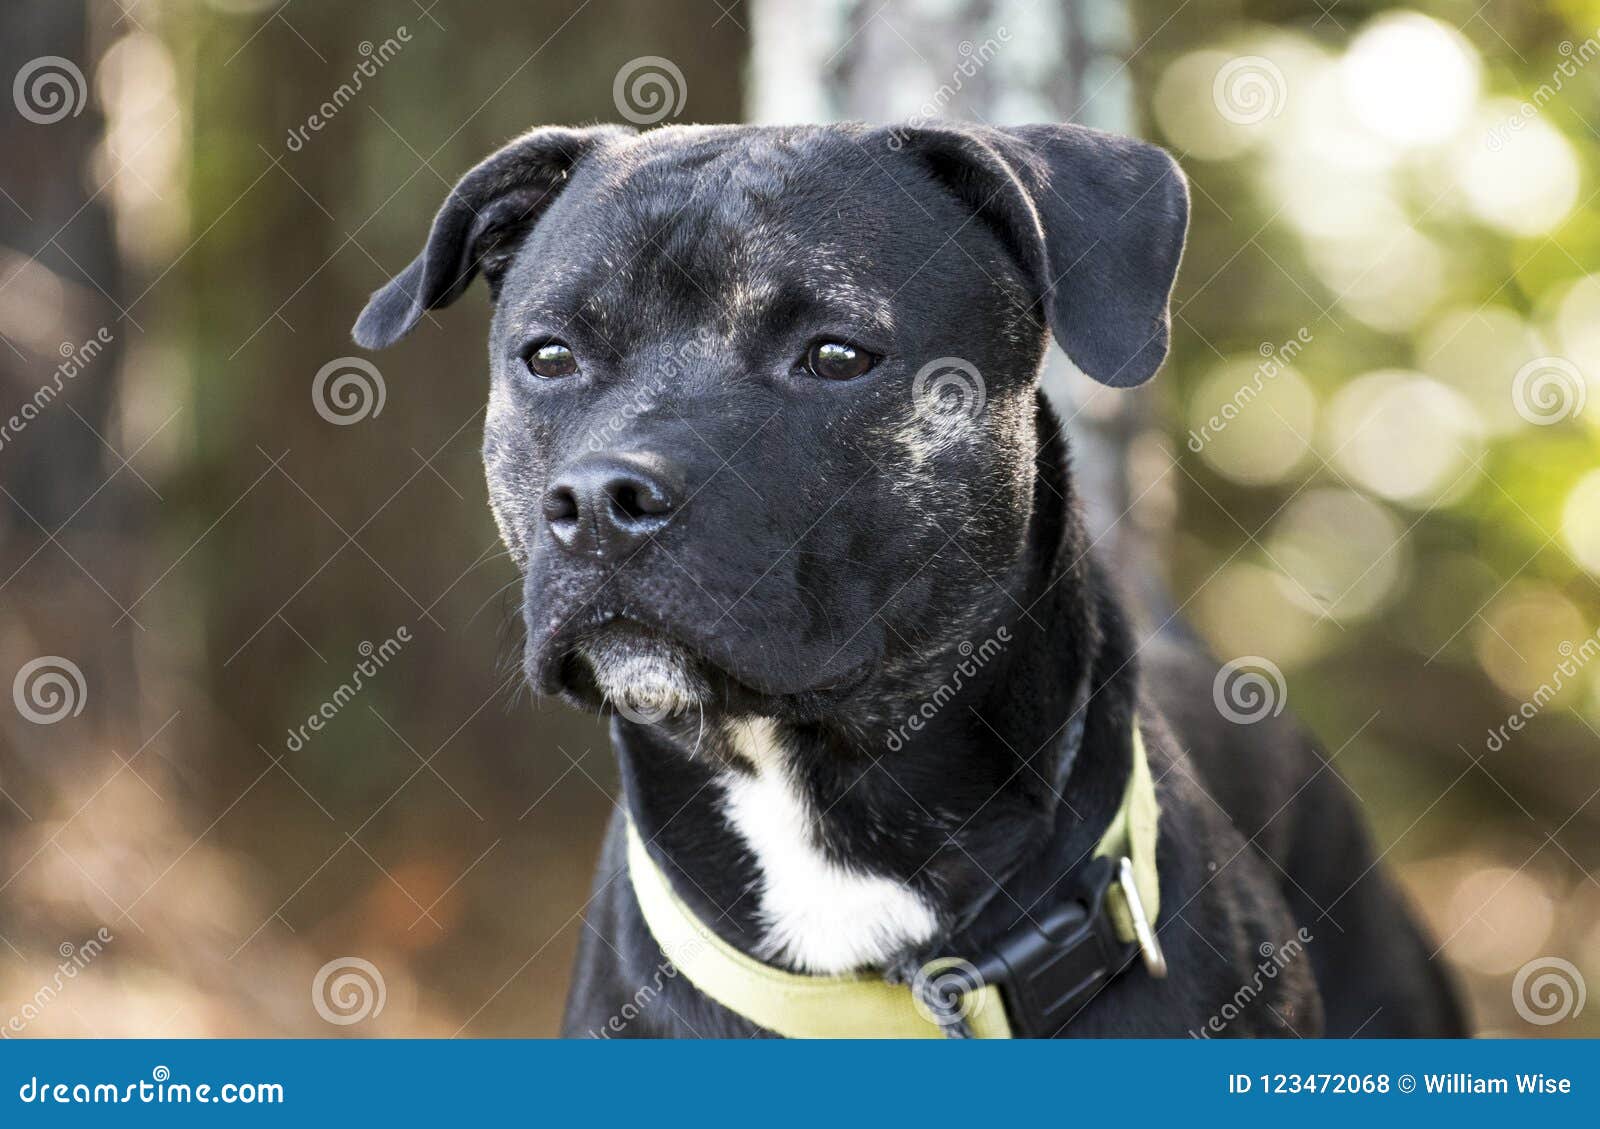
(480, 226)
(1096, 219)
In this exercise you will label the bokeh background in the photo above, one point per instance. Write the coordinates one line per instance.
(1392, 283)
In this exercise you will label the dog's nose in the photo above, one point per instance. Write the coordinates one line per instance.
(606, 504)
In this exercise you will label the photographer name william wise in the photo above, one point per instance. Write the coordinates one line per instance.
(1478, 1084)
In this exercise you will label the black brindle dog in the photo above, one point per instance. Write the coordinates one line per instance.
(766, 440)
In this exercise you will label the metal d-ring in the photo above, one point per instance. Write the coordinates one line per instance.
(1155, 961)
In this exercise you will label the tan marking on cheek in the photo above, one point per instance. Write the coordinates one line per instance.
(502, 475)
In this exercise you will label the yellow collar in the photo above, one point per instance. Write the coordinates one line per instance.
(865, 1006)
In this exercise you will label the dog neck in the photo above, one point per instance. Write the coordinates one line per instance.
(814, 849)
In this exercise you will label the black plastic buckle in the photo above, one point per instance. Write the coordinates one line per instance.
(1048, 968)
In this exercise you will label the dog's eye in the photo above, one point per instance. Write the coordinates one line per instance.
(834, 360)
(552, 360)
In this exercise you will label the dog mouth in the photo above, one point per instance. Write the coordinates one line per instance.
(649, 674)
(645, 675)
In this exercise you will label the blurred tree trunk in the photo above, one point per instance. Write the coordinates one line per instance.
(59, 276)
(65, 518)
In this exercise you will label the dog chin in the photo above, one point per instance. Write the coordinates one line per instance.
(646, 677)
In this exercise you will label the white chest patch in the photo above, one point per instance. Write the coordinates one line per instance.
(817, 915)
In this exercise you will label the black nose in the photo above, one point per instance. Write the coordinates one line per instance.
(606, 504)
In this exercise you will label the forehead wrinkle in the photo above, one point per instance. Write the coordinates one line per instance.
(840, 306)
(701, 229)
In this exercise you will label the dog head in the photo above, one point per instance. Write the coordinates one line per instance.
(762, 415)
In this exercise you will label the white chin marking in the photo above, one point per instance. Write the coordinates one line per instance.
(643, 675)
(818, 916)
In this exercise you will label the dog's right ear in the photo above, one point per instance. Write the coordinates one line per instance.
(480, 226)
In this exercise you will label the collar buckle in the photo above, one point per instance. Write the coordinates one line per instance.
(1048, 968)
